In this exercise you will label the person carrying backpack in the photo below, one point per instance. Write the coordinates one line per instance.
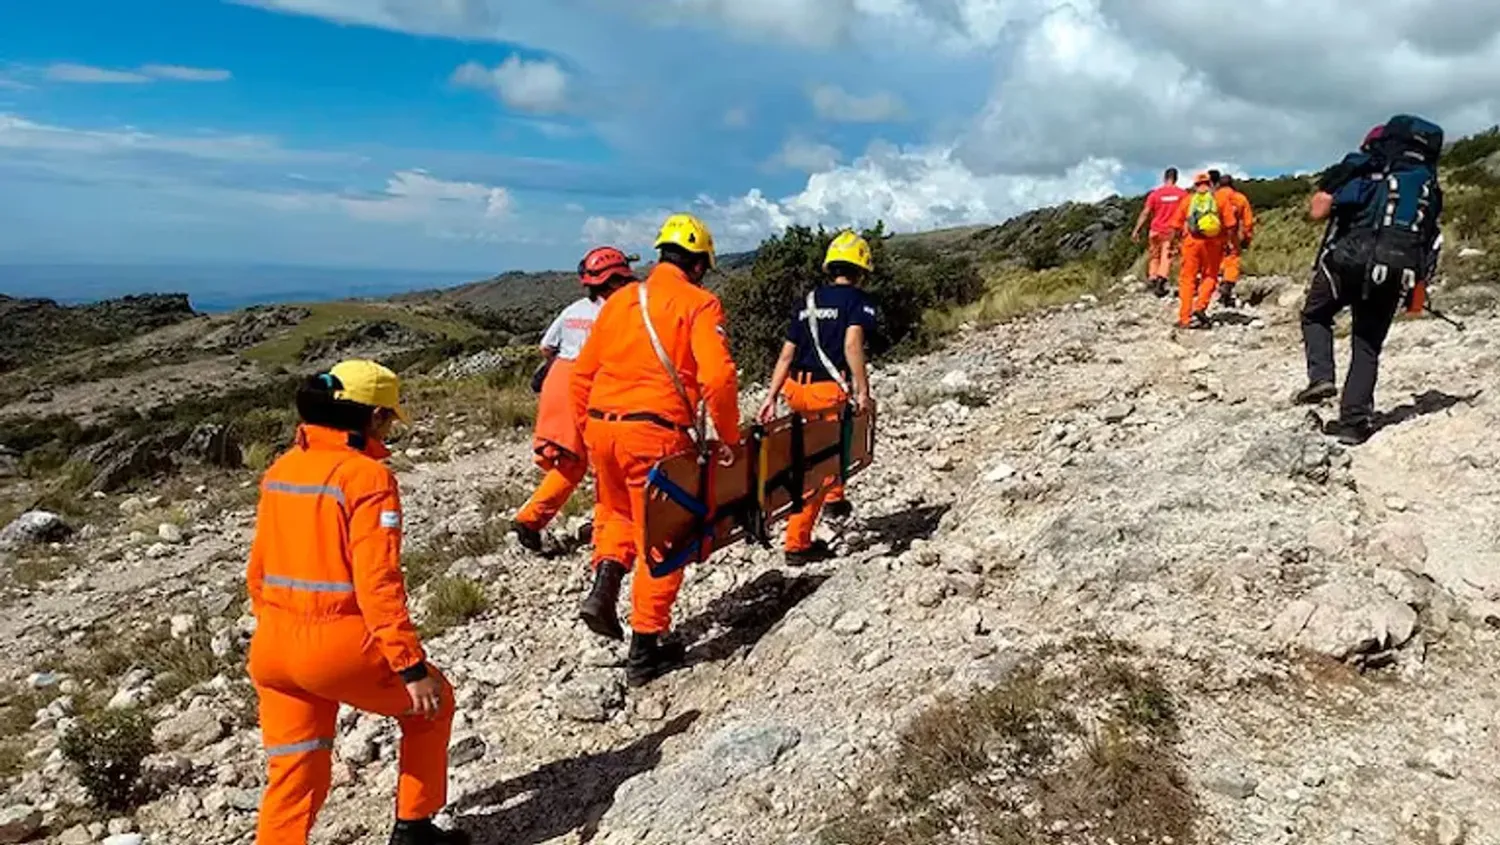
(1205, 222)
(1234, 247)
(1383, 205)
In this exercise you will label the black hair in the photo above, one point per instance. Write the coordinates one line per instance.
(1213, 177)
(615, 282)
(316, 405)
(681, 258)
(1226, 180)
(850, 271)
(1170, 175)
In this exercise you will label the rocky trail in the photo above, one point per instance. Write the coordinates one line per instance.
(1323, 618)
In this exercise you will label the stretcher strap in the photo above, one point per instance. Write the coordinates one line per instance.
(846, 442)
(674, 491)
(798, 469)
(812, 322)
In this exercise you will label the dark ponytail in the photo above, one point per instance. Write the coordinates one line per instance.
(316, 405)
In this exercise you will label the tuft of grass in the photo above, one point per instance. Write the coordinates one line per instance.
(42, 564)
(501, 499)
(259, 455)
(18, 706)
(12, 759)
(1086, 742)
(452, 601)
(1012, 291)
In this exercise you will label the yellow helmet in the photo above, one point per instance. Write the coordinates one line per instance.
(850, 248)
(688, 232)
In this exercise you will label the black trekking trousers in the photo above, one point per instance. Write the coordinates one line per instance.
(1372, 315)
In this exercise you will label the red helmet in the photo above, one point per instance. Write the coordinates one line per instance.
(602, 264)
(1372, 136)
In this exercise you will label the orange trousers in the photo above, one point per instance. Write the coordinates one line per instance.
(809, 399)
(550, 496)
(302, 670)
(1200, 275)
(1230, 271)
(1159, 255)
(622, 454)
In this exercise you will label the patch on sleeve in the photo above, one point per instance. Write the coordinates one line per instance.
(720, 329)
(390, 519)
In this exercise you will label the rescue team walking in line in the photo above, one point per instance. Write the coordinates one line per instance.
(822, 367)
(657, 352)
(558, 440)
(1161, 210)
(330, 605)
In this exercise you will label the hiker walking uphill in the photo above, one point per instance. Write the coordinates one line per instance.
(1205, 222)
(557, 441)
(1383, 205)
(1234, 247)
(822, 367)
(1161, 209)
(658, 351)
(329, 600)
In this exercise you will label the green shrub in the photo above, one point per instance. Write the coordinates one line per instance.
(904, 286)
(1472, 149)
(107, 750)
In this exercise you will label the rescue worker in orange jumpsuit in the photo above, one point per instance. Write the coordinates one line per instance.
(329, 600)
(657, 351)
(822, 365)
(1205, 223)
(1234, 248)
(557, 441)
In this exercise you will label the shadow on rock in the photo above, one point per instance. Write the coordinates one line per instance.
(900, 529)
(1430, 402)
(745, 614)
(1231, 318)
(565, 796)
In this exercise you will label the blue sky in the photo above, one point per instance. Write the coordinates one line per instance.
(480, 135)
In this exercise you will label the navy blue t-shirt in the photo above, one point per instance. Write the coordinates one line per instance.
(839, 307)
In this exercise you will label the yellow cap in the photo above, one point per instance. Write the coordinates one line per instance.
(850, 249)
(688, 232)
(369, 383)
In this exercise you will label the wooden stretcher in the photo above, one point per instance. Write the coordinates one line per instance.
(776, 469)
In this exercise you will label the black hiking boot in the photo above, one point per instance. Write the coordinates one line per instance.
(598, 608)
(1316, 393)
(651, 657)
(1227, 298)
(530, 538)
(1159, 287)
(816, 553)
(1351, 433)
(1200, 320)
(842, 509)
(424, 832)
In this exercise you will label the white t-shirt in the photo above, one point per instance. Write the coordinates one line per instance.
(571, 328)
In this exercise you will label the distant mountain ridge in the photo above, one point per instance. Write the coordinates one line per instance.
(34, 329)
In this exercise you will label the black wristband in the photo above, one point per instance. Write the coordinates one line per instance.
(414, 673)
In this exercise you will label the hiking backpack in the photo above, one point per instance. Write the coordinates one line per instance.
(1388, 237)
(1203, 215)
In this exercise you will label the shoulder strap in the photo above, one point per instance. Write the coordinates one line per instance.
(666, 363)
(812, 322)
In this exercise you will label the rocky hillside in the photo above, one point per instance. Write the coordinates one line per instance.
(1103, 584)
(32, 330)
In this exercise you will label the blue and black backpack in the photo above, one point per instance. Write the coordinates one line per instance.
(1390, 210)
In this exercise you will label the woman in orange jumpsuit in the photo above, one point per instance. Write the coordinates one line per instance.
(329, 600)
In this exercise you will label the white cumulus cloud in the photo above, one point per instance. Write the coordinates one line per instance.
(834, 103)
(911, 189)
(443, 208)
(532, 86)
(799, 153)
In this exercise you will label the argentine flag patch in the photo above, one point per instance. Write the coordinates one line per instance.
(390, 519)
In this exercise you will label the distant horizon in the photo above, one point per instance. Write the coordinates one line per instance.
(216, 287)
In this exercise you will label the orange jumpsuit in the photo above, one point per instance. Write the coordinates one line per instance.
(1201, 258)
(808, 400)
(559, 449)
(634, 417)
(329, 599)
(1232, 251)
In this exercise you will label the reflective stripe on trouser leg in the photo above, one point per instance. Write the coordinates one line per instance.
(297, 733)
